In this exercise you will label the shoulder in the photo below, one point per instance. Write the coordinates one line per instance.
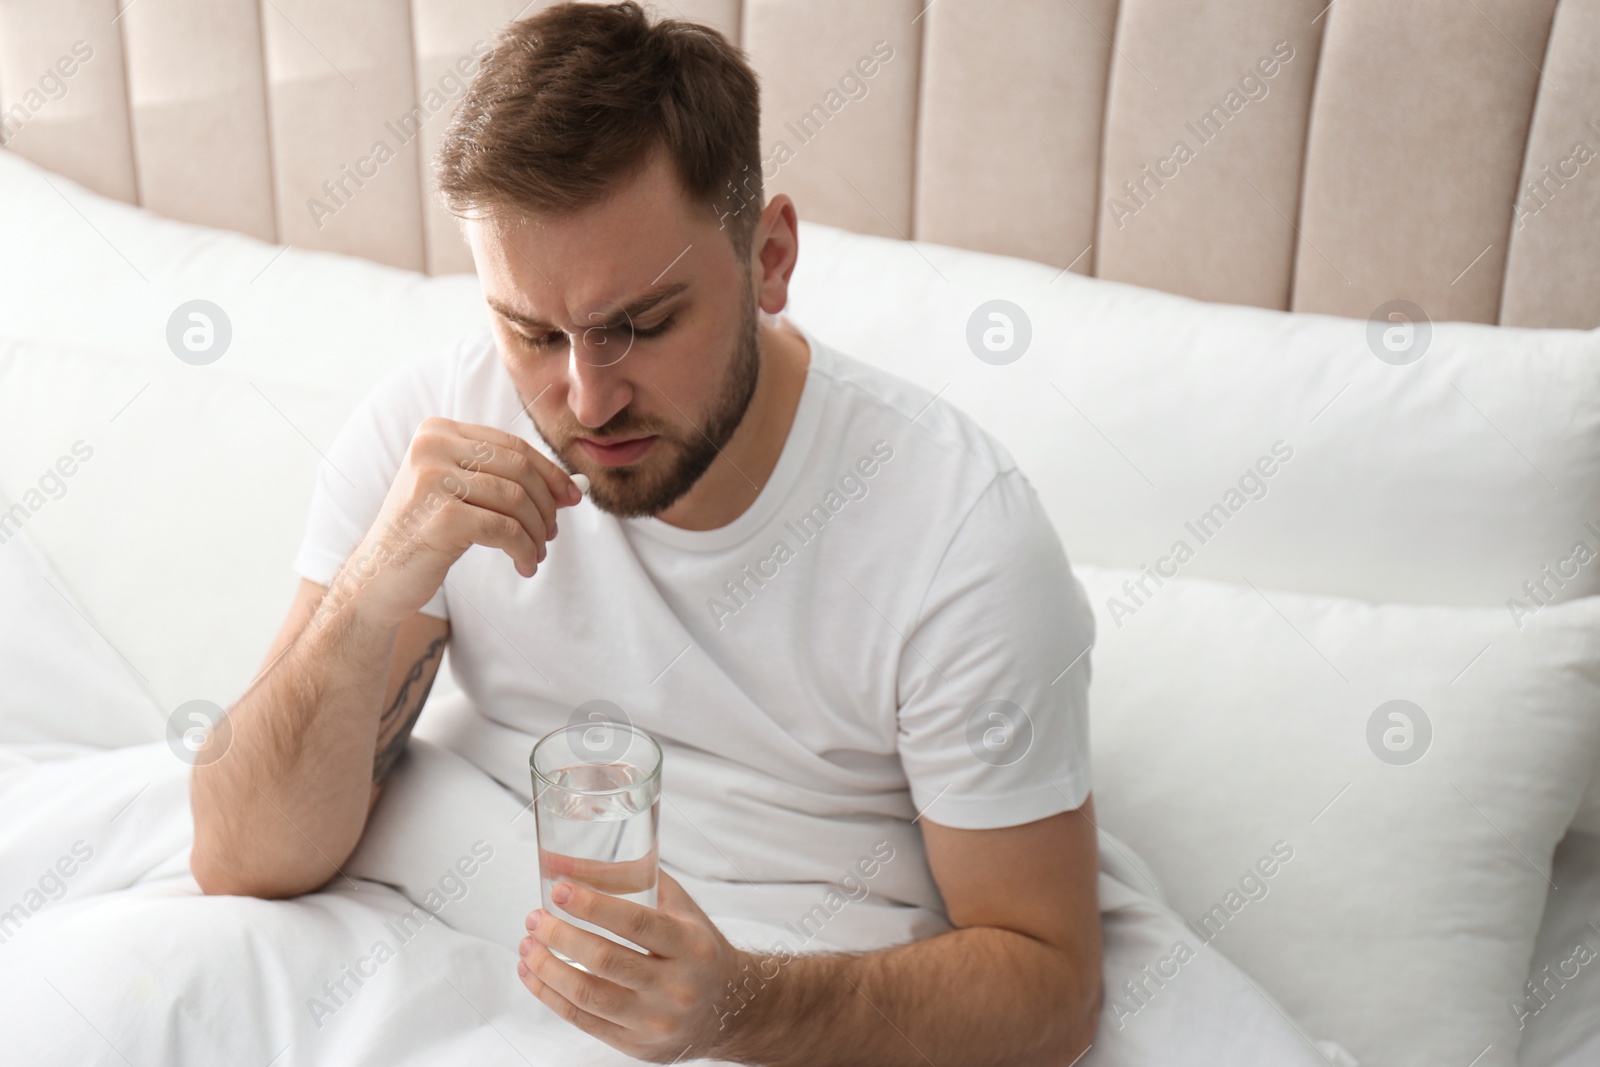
(947, 463)
(943, 443)
(961, 516)
(454, 381)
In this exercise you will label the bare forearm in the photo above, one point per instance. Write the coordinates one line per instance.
(287, 804)
(970, 997)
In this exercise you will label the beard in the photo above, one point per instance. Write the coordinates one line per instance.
(678, 459)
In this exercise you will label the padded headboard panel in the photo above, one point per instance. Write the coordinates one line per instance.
(1291, 154)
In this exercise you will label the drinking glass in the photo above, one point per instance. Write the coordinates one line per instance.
(597, 802)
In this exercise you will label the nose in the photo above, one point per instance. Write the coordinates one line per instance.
(596, 386)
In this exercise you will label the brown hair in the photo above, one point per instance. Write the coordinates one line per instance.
(577, 97)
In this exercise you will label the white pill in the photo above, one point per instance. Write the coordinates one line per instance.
(582, 482)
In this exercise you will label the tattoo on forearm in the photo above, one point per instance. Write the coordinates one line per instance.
(394, 728)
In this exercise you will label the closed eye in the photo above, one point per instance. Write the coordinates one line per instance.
(558, 338)
(544, 340)
(654, 331)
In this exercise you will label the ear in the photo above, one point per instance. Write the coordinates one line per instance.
(775, 250)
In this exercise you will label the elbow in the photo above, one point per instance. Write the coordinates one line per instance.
(216, 880)
(211, 871)
(217, 877)
(220, 871)
(217, 873)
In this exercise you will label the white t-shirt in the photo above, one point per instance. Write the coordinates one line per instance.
(891, 628)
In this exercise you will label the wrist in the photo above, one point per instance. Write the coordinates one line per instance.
(349, 611)
(747, 1005)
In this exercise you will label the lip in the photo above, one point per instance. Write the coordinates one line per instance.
(620, 454)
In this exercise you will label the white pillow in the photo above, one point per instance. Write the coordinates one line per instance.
(300, 319)
(1135, 411)
(1391, 907)
(201, 474)
(63, 682)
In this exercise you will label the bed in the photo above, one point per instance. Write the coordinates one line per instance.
(1424, 536)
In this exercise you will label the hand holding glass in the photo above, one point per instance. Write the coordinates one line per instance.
(597, 802)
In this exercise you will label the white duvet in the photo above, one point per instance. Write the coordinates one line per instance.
(111, 954)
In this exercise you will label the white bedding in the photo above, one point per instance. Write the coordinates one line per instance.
(131, 962)
(110, 954)
(124, 958)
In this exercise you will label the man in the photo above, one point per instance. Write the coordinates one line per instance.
(837, 603)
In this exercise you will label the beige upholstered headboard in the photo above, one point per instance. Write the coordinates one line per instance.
(1284, 153)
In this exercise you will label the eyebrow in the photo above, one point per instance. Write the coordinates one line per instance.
(637, 306)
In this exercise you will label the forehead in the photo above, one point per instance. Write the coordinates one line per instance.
(645, 233)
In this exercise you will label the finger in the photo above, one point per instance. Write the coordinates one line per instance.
(646, 927)
(560, 485)
(607, 1031)
(588, 994)
(451, 460)
(491, 492)
(605, 958)
(453, 445)
(629, 876)
(516, 466)
(483, 526)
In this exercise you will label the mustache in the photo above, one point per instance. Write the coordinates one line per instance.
(613, 428)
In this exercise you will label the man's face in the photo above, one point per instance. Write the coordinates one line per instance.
(630, 319)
